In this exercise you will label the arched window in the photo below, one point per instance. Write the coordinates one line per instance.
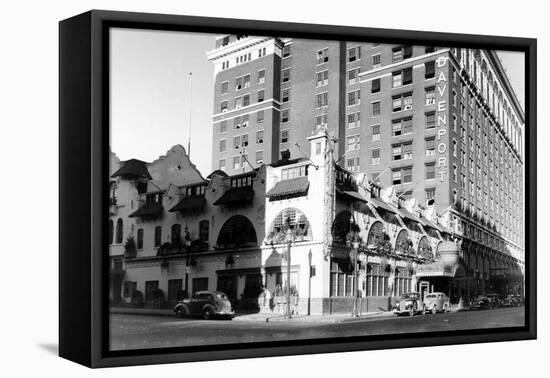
(119, 231)
(140, 238)
(237, 232)
(341, 227)
(376, 234)
(204, 230)
(424, 249)
(403, 243)
(111, 231)
(158, 236)
(175, 235)
(289, 218)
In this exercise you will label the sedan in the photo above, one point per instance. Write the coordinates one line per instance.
(206, 304)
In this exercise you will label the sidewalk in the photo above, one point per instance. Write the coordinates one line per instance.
(258, 317)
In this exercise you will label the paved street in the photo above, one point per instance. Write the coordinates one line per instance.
(143, 331)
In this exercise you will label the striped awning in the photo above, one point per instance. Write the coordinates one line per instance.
(293, 187)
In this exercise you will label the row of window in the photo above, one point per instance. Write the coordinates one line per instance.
(241, 161)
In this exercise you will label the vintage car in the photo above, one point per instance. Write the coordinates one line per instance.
(512, 300)
(409, 303)
(494, 299)
(206, 304)
(481, 303)
(436, 301)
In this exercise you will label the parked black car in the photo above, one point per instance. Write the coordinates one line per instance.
(207, 304)
(481, 303)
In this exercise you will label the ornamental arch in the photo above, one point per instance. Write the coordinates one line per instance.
(237, 232)
(293, 219)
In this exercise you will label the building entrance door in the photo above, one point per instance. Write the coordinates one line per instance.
(423, 289)
(228, 285)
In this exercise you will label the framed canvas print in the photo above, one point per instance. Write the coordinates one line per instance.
(235, 188)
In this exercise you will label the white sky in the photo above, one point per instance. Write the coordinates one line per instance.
(150, 93)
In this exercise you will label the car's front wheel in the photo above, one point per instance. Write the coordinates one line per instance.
(207, 314)
(179, 313)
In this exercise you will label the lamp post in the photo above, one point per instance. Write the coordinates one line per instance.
(309, 257)
(355, 245)
(289, 239)
(187, 241)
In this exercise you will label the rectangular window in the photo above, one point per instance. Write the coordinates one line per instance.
(430, 146)
(260, 116)
(430, 96)
(246, 81)
(174, 287)
(375, 133)
(430, 171)
(322, 56)
(259, 157)
(237, 122)
(221, 164)
(238, 83)
(376, 108)
(261, 76)
(223, 145)
(354, 120)
(353, 76)
(286, 75)
(354, 54)
(236, 162)
(223, 127)
(261, 95)
(238, 102)
(150, 288)
(225, 87)
(375, 88)
(430, 120)
(429, 70)
(407, 151)
(284, 136)
(259, 137)
(321, 121)
(354, 97)
(353, 143)
(285, 95)
(246, 100)
(223, 106)
(236, 142)
(396, 153)
(244, 140)
(287, 51)
(321, 100)
(285, 116)
(353, 164)
(402, 102)
(322, 78)
(430, 194)
(376, 61)
(375, 154)
(158, 236)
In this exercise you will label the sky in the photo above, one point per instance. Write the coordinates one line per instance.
(149, 110)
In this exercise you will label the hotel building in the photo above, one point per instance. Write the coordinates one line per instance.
(440, 125)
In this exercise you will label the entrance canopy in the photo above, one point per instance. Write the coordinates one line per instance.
(439, 269)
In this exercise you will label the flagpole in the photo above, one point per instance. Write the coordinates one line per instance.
(189, 133)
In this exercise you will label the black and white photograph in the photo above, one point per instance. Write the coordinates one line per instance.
(269, 188)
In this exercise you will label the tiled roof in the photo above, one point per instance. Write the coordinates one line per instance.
(347, 190)
(236, 195)
(295, 186)
(382, 205)
(148, 210)
(133, 168)
(189, 204)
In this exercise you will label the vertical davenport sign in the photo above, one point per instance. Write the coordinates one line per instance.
(441, 115)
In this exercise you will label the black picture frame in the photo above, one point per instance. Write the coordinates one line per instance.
(83, 122)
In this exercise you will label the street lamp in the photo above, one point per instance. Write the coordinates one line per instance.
(289, 240)
(355, 245)
(187, 241)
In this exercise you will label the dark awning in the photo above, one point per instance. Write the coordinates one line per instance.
(148, 210)
(189, 204)
(348, 191)
(428, 223)
(382, 205)
(292, 187)
(408, 215)
(133, 168)
(235, 196)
